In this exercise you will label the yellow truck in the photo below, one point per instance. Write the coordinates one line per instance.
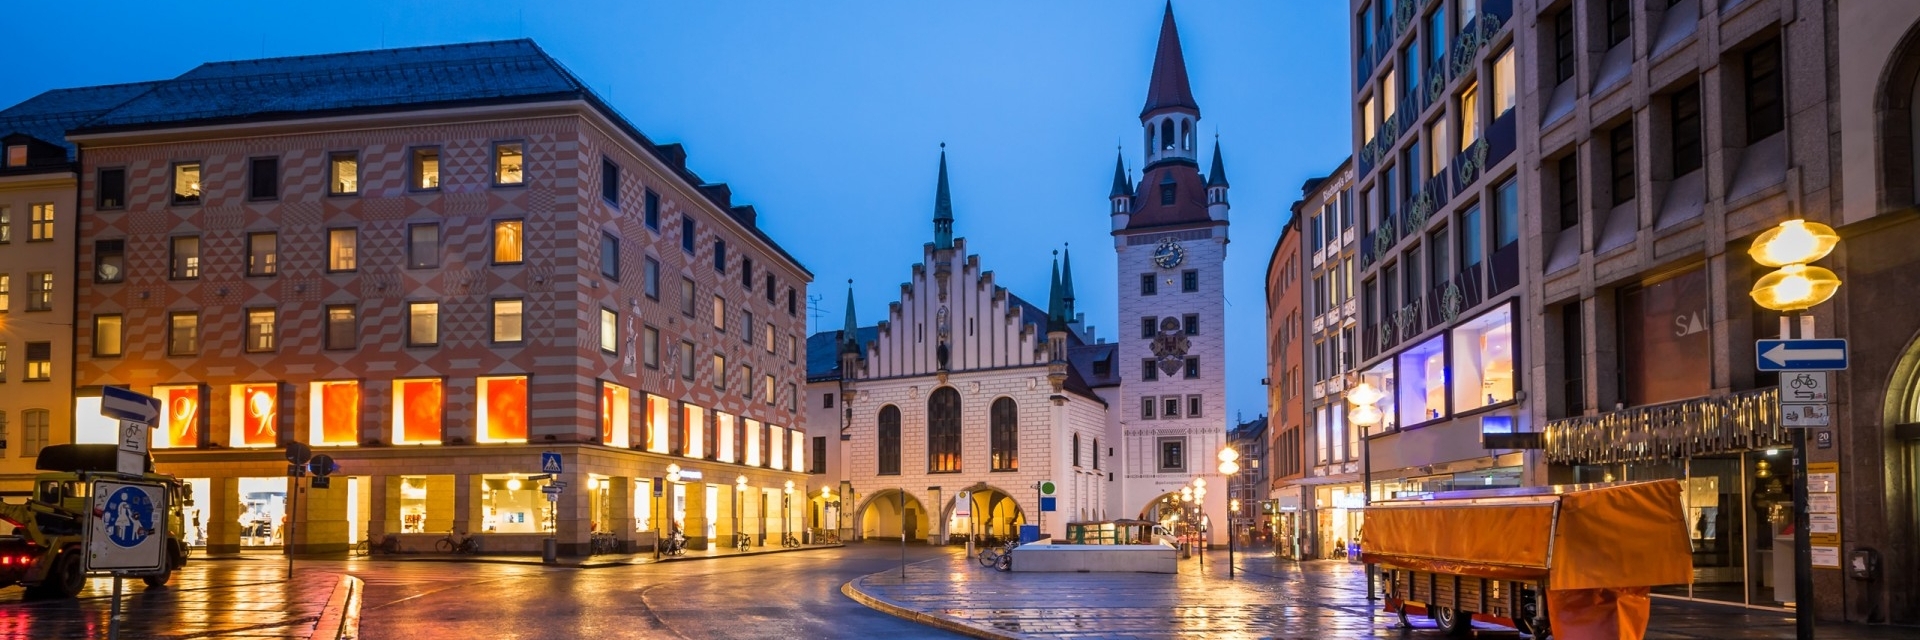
(45, 552)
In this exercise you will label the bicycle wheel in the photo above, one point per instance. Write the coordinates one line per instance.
(443, 545)
(361, 550)
(989, 557)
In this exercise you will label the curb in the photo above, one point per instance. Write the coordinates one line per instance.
(535, 562)
(936, 621)
(341, 619)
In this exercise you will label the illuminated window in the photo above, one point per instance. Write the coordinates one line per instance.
(888, 441)
(616, 414)
(768, 338)
(423, 324)
(334, 413)
(776, 447)
(418, 407)
(720, 371)
(507, 161)
(609, 331)
(40, 221)
(720, 314)
(753, 443)
(503, 409)
(180, 417)
(512, 504)
(1482, 367)
(263, 254)
(343, 172)
(260, 330)
(656, 428)
(254, 410)
(186, 183)
(694, 418)
(943, 431)
(725, 424)
(342, 328)
(426, 169)
(40, 291)
(16, 155)
(1469, 115)
(766, 388)
(507, 248)
(1504, 97)
(1423, 382)
(183, 333)
(107, 335)
(1005, 435)
(186, 258)
(6, 224)
(1366, 119)
(798, 442)
(39, 361)
(341, 249)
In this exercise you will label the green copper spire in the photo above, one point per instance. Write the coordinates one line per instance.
(1056, 301)
(850, 336)
(1066, 283)
(943, 207)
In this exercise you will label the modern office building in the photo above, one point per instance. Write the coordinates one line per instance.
(434, 265)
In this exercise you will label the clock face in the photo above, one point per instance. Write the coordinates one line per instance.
(1168, 254)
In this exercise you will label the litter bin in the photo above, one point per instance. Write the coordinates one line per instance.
(549, 551)
(1029, 533)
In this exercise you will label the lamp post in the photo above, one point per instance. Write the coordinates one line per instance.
(786, 512)
(1200, 522)
(829, 510)
(1365, 413)
(673, 477)
(1186, 505)
(1229, 465)
(1792, 289)
(740, 493)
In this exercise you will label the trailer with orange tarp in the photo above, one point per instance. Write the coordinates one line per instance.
(1586, 554)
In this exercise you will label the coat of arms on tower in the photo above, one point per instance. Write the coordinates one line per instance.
(1170, 346)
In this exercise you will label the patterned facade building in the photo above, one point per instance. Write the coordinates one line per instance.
(434, 265)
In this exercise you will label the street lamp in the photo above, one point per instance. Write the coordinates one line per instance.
(740, 493)
(1795, 287)
(1186, 503)
(1229, 465)
(673, 477)
(1365, 413)
(786, 512)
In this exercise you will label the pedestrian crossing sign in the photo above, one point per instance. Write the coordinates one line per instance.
(549, 462)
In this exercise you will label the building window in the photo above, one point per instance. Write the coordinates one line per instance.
(3, 362)
(652, 207)
(1437, 145)
(720, 260)
(1173, 455)
(112, 189)
(423, 246)
(1170, 407)
(343, 249)
(1005, 427)
(792, 304)
(509, 320)
(686, 360)
(1573, 356)
(1191, 324)
(39, 361)
(1189, 281)
(1482, 367)
(183, 333)
(40, 291)
(1149, 327)
(610, 182)
(1149, 370)
(1619, 22)
(746, 327)
(1567, 171)
(6, 224)
(1469, 115)
(767, 389)
(651, 278)
(720, 314)
(746, 380)
(616, 414)
(1096, 454)
(186, 258)
(186, 183)
(769, 289)
(343, 173)
(108, 337)
(260, 330)
(686, 296)
(1563, 51)
(1076, 449)
(889, 441)
(34, 429)
(418, 409)
(40, 221)
(686, 234)
(1620, 143)
(1193, 406)
(766, 338)
(263, 253)
(426, 169)
(1506, 214)
(1147, 408)
(502, 410)
(610, 256)
(609, 331)
(720, 372)
(335, 415)
(1504, 97)
(1193, 367)
(1666, 340)
(508, 164)
(1422, 380)
(423, 324)
(1763, 93)
(650, 347)
(1148, 286)
(746, 274)
(943, 431)
(793, 397)
(1683, 108)
(263, 179)
(342, 326)
(508, 241)
(819, 463)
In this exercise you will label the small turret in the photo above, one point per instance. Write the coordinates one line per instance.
(1057, 331)
(1121, 196)
(849, 340)
(1217, 185)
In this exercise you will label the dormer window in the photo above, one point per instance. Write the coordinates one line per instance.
(17, 155)
(1166, 193)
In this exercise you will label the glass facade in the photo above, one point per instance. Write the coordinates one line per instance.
(1482, 368)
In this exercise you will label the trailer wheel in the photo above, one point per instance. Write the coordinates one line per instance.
(1455, 622)
(64, 579)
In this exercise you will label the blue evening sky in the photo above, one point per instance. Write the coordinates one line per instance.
(827, 114)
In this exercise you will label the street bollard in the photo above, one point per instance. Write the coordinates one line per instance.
(549, 552)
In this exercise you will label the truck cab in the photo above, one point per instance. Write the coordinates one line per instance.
(45, 551)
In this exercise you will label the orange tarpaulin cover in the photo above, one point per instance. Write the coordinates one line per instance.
(1630, 535)
(1599, 614)
(1503, 542)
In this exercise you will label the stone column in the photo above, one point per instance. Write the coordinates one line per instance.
(696, 526)
(466, 503)
(440, 503)
(223, 515)
(383, 506)
(621, 517)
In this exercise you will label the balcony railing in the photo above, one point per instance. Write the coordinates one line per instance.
(1674, 431)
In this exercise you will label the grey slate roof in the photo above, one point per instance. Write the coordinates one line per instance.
(823, 352)
(51, 114)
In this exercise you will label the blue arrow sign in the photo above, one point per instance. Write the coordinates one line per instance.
(116, 402)
(549, 462)
(1800, 355)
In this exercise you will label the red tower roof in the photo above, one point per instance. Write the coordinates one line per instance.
(1168, 89)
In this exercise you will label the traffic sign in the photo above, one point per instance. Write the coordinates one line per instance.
(659, 486)
(125, 404)
(1806, 386)
(299, 452)
(323, 465)
(963, 505)
(1805, 415)
(1047, 503)
(322, 482)
(549, 462)
(1047, 487)
(128, 530)
(1801, 355)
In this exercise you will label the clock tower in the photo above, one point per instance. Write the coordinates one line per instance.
(1170, 231)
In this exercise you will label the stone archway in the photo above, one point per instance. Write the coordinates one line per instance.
(881, 516)
(1900, 431)
(996, 514)
(1162, 508)
(1894, 112)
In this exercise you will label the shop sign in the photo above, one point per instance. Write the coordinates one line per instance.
(691, 474)
(1349, 501)
(1794, 414)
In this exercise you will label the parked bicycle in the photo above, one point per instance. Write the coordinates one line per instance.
(676, 545)
(603, 543)
(463, 544)
(994, 555)
(387, 545)
(790, 541)
(826, 536)
(742, 541)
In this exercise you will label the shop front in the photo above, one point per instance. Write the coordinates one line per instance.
(1340, 513)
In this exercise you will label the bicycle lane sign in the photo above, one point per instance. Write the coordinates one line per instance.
(1804, 386)
(128, 527)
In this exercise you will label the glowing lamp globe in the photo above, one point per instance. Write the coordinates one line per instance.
(513, 484)
(1365, 415)
(1795, 287)
(1229, 467)
(1229, 455)
(1364, 394)
(1793, 242)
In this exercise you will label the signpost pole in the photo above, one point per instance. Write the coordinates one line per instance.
(903, 532)
(1802, 537)
(113, 617)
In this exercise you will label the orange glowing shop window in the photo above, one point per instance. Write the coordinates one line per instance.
(616, 414)
(180, 417)
(656, 424)
(417, 407)
(503, 409)
(256, 415)
(336, 413)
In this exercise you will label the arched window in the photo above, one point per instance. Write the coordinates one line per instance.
(1166, 135)
(889, 440)
(1076, 449)
(1005, 419)
(1149, 138)
(943, 431)
(1186, 134)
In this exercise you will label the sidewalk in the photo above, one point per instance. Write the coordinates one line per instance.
(596, 561)
(1268, 598)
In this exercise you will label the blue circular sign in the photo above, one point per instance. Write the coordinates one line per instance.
(128, 516)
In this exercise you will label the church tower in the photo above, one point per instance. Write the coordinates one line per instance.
(1170, 231)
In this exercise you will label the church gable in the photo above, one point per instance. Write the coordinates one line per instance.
(963, 322)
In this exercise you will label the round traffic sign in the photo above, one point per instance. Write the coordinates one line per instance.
(1046, 487)
(129, 516)
(323, 465)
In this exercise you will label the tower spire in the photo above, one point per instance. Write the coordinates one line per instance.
(1066, 283)
(1217, 174)
(1121, 186)
(1168, 88)
(943, 207)
(850, 335)
(1056, 300)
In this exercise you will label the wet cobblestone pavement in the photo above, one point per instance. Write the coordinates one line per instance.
(241, 598)
(1269, 598)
